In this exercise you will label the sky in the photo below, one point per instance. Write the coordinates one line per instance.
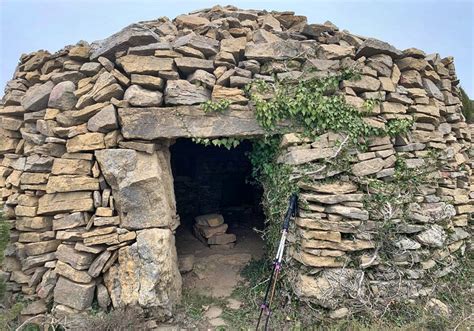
(445, 27)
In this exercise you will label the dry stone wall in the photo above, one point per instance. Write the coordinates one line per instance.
(86, 181)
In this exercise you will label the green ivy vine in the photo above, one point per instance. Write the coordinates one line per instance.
(273, 177)
(215, 106)
(313, 106)
(4, 240)
(389, 200)
(401, 189)
(310, 106)
(227, 142)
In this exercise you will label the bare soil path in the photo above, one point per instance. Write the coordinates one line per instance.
(217, 272)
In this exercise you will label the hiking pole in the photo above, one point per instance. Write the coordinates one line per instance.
(270, 291)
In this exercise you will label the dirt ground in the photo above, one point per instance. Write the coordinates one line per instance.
(216, 272)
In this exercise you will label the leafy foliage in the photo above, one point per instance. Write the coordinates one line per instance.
(370, 104)
(402, 188)
(228, 143)
(277, 188)
(398, 127)
(9, 316)
(4, 239)
(467, 106)
(311, 106)
(4, 236)
(388, 200)
(215, 106)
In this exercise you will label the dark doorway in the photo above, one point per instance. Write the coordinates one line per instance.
(214, 180)
(209, 179)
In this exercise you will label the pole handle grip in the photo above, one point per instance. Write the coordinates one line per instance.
(291, 212)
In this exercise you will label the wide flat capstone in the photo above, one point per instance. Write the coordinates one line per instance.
(175, 122)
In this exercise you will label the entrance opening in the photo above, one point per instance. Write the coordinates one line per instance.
(219, 210)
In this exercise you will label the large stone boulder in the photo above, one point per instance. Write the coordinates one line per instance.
(182, 92)
(327, 287)
(36, 98)
(104, 121)
(135, 64)
(188, 65)
(373, 46)
(280, 50)
(74, 295)
(147, 273)
(86, 142)
(140, 97)
(141, 186)
(132, 35)
(62, 96)
(208, 46)
(65, 202)
(191, 121)
(190, 21)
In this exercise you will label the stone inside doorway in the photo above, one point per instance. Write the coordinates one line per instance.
(214, 180)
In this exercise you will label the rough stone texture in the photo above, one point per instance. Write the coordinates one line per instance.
(279, 50)
(137, 180)
(190, 21)
(330, 188)
(154, 123)
(74, 295)
(80, 164)
(368, 167)
(103, 297)
(373, 46)
(148, 82)
(96, 267)
(148, 272)
(70, 273)
(65, 202)
(135, 64)
(190, 64)
(71, 183)
(62, 96)
(182, 92)
(36, 98)
(71, 167)
(85, 142)
(140, 97)
(132, 35)
(104, 121)
(77, 260)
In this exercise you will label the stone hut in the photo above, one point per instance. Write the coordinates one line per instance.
(86, 178)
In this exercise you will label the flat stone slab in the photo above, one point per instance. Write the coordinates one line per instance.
(186, 121)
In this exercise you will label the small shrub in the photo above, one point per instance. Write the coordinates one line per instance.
(128, 318)
(467, 106)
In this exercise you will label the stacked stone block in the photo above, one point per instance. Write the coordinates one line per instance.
(211, 230)
(85, 176)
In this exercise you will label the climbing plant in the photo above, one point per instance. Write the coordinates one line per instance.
(215, 106)
(467, 106)
(277, 188)
(210, 106)
(227, 142)
(311, 106)
(4, 239)
(388, 200)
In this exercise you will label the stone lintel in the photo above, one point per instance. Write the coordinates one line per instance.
(186, 122)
